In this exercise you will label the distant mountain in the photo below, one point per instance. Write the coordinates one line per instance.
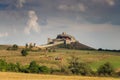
(76, 45)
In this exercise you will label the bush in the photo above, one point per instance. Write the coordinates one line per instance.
(65, 70)
(33, 67)
(3, 65)
(79, 68)
(13, 67)
(24, 69)
(24, 52)
(105, 69)
(15, 47)
(44, 69)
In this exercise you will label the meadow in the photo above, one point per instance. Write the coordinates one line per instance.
(93, 58)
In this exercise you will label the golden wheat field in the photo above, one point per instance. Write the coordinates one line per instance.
(23, 76)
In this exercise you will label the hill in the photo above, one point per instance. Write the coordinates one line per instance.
(76, 45)
(65, 41)
(4, 47)
(92, 57)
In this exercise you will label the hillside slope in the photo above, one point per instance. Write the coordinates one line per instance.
(76, 45)
(3, 47)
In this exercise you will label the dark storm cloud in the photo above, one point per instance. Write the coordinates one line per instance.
(78, 17)
(94, 11)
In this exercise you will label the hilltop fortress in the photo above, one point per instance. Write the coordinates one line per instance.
(60, 39)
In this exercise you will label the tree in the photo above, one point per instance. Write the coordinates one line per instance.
(105, 69)
(24, 52)
(26, 45)
(100, 49)
(15, 47)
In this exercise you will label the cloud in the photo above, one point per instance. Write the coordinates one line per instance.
(111, 2)
(32, 23)
(86, 27)
(20, 3)
(73, 7)
(4, 34)
(82, 7)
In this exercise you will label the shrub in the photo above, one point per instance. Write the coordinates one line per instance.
(105, 69)
(79, 68)
(44, 69)
(15, 47)
(26, 45)
(3, 65)
(24, 52)
(13, 67)
(33, 67)
(24, 69)
(65, 70)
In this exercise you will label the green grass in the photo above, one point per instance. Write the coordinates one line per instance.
(114, 60)
(96, 58)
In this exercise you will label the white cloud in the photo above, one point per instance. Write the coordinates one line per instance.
(111, 2)
(20, 3)
(63, 7)
(32, 23)
(4, 34)
(82, 7)
(78, 7)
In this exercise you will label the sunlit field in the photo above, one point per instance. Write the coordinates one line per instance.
(23, 76)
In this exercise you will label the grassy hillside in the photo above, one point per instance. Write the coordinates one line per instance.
(93, 58)
(76, 45)
(22, 76)
(2, 47)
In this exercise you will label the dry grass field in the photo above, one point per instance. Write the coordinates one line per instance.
(23, 76)
(93, 58)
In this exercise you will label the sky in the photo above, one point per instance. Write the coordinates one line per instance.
(95, 23)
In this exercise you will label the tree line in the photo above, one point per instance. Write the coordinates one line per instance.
(110, 50)
(75, 67)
